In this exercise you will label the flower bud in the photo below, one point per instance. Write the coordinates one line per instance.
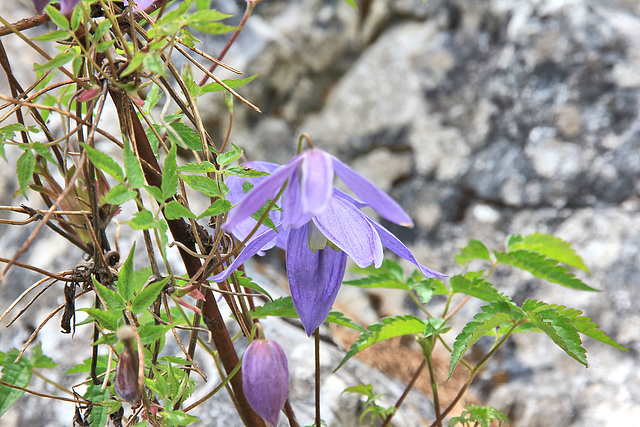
(265, 378)
(126, 380)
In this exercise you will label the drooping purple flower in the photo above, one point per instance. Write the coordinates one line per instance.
(66, 6)
(265, 378)
(322, 226)
(126, 379)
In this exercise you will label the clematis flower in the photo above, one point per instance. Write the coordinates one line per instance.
(126, 380)
(322, 226)
(66, 6)
(141, 4)
(265, 378)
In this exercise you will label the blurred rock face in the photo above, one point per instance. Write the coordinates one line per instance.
(483, 119)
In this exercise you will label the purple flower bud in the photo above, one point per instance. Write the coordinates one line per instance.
(126, 381)
(265, 378)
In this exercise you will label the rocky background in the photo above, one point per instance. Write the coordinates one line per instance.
(483, 119)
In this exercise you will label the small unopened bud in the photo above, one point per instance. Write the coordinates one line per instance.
(126, 380)
(265, 378)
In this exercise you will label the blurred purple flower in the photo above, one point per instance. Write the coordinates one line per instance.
(141, 4)
(322, 225)
(265, 378)
(126, 379)
(66, 6)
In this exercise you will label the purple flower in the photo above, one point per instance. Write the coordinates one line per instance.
(126, 380)
(265, 378)
(322, 226)
(141, 4)
(66, 6)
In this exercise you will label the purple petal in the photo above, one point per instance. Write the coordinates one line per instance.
(67, 6)
(314, 278)
(142, 4)
(349, 229)
(380, 201)
(258, 195)
(40, 4)
(294, 214)
(252, 247)
(317, 181)
(396, 246)
(265, 378)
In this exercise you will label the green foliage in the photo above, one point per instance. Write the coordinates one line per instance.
(478, 416)
(473, 284)
(474, 250)
(370, 406)
(549, 246)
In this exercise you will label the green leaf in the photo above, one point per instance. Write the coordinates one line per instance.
(390, 275)
(76, 18)
(85, 366)
(184, 136)
(15, 373)
(203, 184)
(424, 290)
(104, 162)
(549, 246)
(213, 27)
(57, 61)
(24, 169)
(389, 328)
(215, 87)
(174, 210)
(134, 64)
(114, 301)
(110, 338)
(484, 323)
(218, 207)
(169, 184)
(542, 268)
(247, 282)
(39, 360)
(477, 288)
(99, 414)
(480, 416)
(474, 250)
(125, 283)
(243, 171)
(560, 329)
(153, 97)
(53, 36)
(339, 319)
(228, 157)
(153, 62)
(56, 17)
(202, 167)
(102, 29)
(282, 307)
(143, 220)
(119, 195)
(43, 150)
(132, 167)
(353, 3)
(148, 295)
(151, 333)
(106, 319)
(155, 192)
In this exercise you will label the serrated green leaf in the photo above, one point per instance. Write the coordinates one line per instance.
(550, 246)
(15, 373)
(56, 17)
(99, 414)
(143, 220)
(483, 323)
(174, 210)
(184, 136)
(102, 29)
(224, 159)
(114, 301)
(24, 169)
(202, 167)
(480, 416)
(561, 331)
(215, 87)
(218, 207)
(132, 167)
(110, 338)
(85, 366)
(125, 283)
(147, 296)
(474, 250)
(155, 192)
(339, 319)
(57, 61)
(477, 288)
(104, 162)
(151, 333)
(119, 195)
(542, 268)
(153, 97)
(390, 275)
(169, 185)
(134, 64)
(247, 282)
(203, 184)
(243, 172)
(281, 307)
(106, 319)
(53, 36)
(43, 150)
(153, 62)
(39, 360)
(389, 328)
